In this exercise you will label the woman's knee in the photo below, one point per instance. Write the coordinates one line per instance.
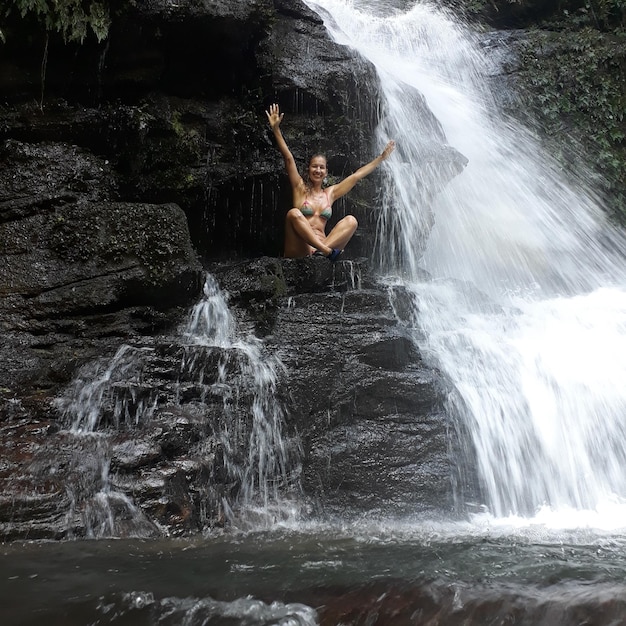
(293, 214)
(351, 222)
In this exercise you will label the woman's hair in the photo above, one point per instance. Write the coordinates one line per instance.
(317, 154)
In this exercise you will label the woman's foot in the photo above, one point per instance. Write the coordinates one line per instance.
(334, 255)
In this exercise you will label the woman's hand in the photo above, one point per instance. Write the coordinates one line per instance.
(274, 116)
(389, 148)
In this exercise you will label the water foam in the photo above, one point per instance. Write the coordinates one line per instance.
(526, 312)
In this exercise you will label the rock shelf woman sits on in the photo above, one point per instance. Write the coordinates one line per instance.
(305, 226)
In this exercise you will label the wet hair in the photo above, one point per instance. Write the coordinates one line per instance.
(317, 154)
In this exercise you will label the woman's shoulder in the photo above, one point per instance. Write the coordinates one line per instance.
(330, 193)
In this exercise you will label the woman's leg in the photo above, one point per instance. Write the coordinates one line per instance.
(300, 239)
(341, 234)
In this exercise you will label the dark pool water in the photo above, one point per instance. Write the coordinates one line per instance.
(321, 575)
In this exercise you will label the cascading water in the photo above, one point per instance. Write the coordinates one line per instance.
(216, 362)
(117, 391)
(526, 309)
(269, 469)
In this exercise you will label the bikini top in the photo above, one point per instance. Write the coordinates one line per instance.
(307, 210)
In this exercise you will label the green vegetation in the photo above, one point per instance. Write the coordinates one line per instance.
(601, 14)
(73, 19)
(576, 85)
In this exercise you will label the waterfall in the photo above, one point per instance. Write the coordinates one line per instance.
(268, 467)
(525, 311)
(213, 360)
(104, 395)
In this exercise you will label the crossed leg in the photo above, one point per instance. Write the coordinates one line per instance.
(342, 232)
(302, 240)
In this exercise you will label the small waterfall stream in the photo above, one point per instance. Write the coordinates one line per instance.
(216, 362)
(268, 469)
(102, 398)
(526, 309)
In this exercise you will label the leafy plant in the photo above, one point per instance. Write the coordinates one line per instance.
(71, 18)
(575, 84)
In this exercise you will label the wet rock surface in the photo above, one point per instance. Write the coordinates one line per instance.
(129, 169)
(368, 412)
(362, 416)
(435, 604)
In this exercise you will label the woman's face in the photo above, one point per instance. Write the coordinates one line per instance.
(317, 169)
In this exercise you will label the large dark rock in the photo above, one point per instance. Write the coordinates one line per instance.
(138, 437)
(78, 265)
(123, 165)
(368, 411)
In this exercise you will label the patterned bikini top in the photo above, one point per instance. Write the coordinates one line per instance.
(307, 210)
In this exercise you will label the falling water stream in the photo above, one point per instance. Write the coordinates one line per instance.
(524, 313)
(526, 309)
(269, 466)
(217, 360)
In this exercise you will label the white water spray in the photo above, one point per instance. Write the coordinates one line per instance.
(218, 363)
(103, 395)
(252, 418)
(526, 312)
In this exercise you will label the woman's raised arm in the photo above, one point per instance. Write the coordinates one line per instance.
(343, 187)
(275, 117)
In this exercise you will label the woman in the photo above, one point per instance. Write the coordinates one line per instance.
(305, 227)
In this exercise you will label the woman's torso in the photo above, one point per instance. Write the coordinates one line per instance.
(315, 206)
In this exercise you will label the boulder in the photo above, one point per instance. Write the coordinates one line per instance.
(130, 167)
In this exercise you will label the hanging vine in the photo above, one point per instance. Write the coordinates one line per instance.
(73, 19)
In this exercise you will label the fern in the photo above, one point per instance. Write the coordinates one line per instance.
(73, 19)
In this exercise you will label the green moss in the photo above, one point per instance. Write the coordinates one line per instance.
(177, 125)
(188, 145)
(263, 302)
(576, 86)
(273, 285)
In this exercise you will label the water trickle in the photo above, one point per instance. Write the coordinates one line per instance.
(104, 397)
(526, 309)
(256, 454)
(217, 362)
(355, 276)
(113, 392)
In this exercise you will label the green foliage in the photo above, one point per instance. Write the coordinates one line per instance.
(607, 13)
(602, 14)
(576, 84)
(71, 18)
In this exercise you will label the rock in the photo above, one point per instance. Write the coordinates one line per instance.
(455, 604)
(369, 413)
(132, 166)
(365, 413)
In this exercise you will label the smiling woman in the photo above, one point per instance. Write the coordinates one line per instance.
(305, 227)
